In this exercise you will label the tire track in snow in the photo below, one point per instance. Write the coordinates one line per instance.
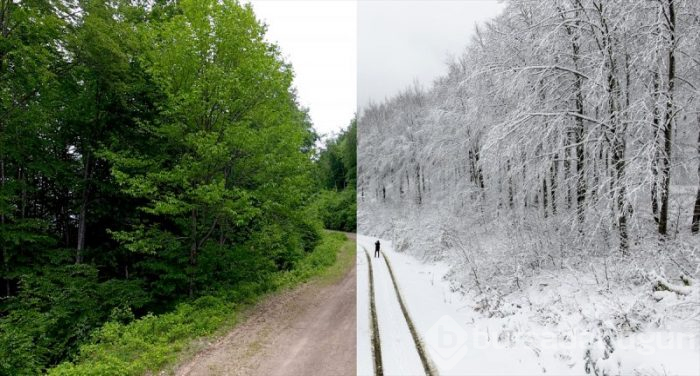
(399, 353)
(365, 356)
(376, 343)
(428, 367)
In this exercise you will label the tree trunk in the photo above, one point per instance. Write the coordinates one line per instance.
(668, 124)
(545, 192)
(479, 172)
(5, 7)
(193, 251)
(655, 161)
(82, 221)
(580, 174)
(575, 136)
(619, 164)
(22, 178)
(511, 201)
(695, 226)
(617, 134)
(568, 152)
(5, 256)
(418, 183)
(554, 172)
(578, 137)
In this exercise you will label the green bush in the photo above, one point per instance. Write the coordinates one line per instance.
(337, 209)
(57, 309)
(152, 342)
(322, 257)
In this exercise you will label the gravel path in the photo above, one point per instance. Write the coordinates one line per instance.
(309, 330)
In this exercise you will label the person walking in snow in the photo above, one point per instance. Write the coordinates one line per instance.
(376, 248)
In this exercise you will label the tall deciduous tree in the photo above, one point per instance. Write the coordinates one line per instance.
(669, 16)
(150, 152)
(227, 151)
(695, 225)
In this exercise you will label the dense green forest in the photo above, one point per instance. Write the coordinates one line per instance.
(152, 153)
(337, 172)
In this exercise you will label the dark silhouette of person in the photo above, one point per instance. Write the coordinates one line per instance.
(376, 248)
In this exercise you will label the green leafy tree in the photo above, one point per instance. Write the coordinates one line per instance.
(226, 152)
(337, 171)
(27, 72)
(149, 152)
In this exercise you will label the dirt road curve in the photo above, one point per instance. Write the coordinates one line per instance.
(306, 331)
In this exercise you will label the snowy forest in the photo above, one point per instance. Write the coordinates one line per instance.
(555, 167)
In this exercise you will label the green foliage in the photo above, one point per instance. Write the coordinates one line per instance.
(336, 204)
(228, 155)
(337, 210)
(322, 257)
(349, 153)
(56, 309)
(152, 342)
(149, 155)
(337, 162)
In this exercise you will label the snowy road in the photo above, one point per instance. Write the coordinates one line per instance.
(398, 349)
(458, 340)
(454, 337)
(452, 345)
(365, 366)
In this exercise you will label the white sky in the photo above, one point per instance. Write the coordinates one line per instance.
(402, 41)
(319, 39)
(346, 53)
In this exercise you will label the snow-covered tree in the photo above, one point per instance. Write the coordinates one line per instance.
(568, 114)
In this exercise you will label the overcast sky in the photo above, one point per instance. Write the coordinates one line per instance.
(319, 39)
(346, 53)
(402, 41)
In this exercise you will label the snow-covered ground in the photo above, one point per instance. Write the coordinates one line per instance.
(461, 339)
(399, 354)
(365, 364)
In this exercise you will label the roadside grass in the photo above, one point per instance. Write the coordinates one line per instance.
(328, 262)
(157, 342)
(345, 259)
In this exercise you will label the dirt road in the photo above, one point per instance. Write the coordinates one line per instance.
(309, 330)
